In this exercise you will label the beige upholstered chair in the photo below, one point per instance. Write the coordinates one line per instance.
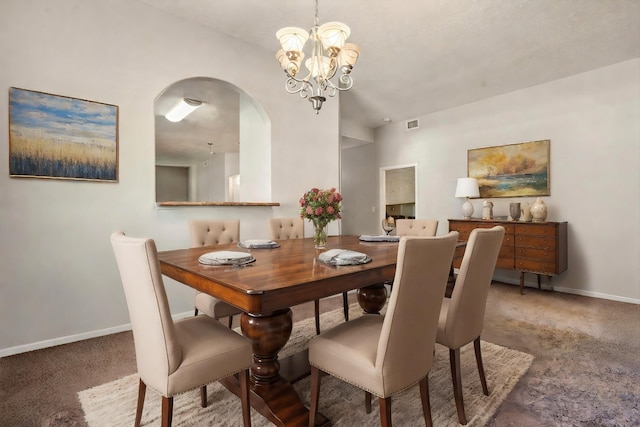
(416, 227)
(462, 316)
(387, 354)
(293, 228)
(174, 357)
(286, 228)
(206, 232)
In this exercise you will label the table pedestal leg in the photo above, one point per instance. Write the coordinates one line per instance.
(372, 298)
(271, 394)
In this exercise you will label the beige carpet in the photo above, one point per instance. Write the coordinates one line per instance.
(113, 404)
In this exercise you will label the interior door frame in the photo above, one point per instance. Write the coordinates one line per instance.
(383, 186)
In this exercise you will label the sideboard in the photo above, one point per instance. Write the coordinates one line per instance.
(528, 247)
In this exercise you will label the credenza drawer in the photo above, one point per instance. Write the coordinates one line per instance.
(534, 266)
(537, 254)
(536, 230)
(506, 263)
(540, 242)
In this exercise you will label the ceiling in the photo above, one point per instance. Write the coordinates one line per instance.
(422, 56)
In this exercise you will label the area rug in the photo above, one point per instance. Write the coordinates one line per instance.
(114, 403)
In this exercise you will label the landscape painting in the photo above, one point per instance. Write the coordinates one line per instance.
(59, 137)
(512, 170)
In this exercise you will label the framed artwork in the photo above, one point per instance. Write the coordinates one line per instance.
(512, 170)
(59, 137)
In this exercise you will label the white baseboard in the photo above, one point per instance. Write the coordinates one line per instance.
(582, 292)
(74, 338)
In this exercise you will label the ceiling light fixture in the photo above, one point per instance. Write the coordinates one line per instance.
(182, 109)
(326, 39)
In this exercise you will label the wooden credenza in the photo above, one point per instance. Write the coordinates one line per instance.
(528, 247)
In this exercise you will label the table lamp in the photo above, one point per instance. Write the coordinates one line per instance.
(467, 187)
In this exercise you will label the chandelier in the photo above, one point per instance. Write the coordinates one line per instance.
(329, 54)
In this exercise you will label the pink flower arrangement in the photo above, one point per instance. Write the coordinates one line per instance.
(320, 206)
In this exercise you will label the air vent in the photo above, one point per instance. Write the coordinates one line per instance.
(412, 124)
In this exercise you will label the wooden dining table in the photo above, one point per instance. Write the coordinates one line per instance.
(265, 290)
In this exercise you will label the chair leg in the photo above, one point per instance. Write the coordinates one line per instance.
(244, 397)
(167, 411)
(456, 376)
(142, 390)
(385, 411)
(203, 396)
(230, 321)
(315, 395)
(195, 312)
(316, 307)
(426, 403)
(367, 402)
(345, 305)
(483, 379)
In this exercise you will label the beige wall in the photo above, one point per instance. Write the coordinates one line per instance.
(593, 122)
(59, 280)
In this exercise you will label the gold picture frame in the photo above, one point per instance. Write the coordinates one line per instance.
(513, 170)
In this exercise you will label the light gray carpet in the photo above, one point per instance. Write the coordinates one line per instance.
(113, 403)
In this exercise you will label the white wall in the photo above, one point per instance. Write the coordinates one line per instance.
(593, 122)
(58, 278)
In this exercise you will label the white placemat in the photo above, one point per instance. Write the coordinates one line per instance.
(344, 257)
(226, 258)
(258, 244)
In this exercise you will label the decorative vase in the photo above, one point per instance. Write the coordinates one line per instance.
(514, 211)
(487, 209)
(539, 210)
(526, 212)
(319, 235)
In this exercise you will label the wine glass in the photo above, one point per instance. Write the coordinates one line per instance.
(388, 225)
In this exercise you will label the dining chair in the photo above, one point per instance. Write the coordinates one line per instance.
(462, 315)
(416, 227)
(174, 357)
(293, 228)
(208, 232)
(386, 354)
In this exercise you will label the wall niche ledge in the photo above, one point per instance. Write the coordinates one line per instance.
(174, 204)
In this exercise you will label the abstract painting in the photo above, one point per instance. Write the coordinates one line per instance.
(512, 170)
(59, 137)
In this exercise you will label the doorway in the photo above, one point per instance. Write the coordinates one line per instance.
(399, 191)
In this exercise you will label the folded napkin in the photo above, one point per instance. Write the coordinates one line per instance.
(381, 238)
(226, 258)
(258, 244)
(344, 257)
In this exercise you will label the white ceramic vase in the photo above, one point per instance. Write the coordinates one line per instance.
(539, 210)
(526, 212)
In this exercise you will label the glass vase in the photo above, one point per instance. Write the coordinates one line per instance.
(319, 235)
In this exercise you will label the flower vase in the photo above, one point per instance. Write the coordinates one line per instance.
(319, 235)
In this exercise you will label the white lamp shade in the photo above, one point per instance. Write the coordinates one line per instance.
(467, 187)
(320, 67)
(292, 38)
(182, 109)
(348, 54)
(290, 62)
(333, 34)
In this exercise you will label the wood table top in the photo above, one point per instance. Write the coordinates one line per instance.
(281, 277)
